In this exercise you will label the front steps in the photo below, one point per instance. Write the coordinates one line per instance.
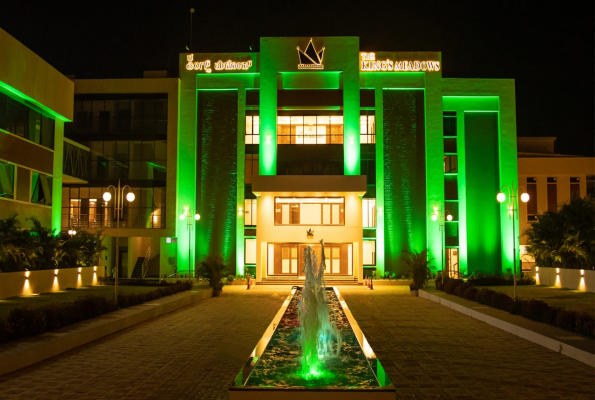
(294, 281)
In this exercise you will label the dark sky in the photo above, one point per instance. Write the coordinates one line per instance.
(548, 50)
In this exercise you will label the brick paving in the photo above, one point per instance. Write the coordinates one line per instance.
(428, 350)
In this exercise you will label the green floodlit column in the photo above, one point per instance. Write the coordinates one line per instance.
(240, 179)
(379, 115)
(351, 126)
(186, 166)
(434, 166)
(267, 149)
(508, 171)
(57, 176)
(461, 179)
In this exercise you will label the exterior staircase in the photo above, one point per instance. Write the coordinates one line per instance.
(137, 272)
(294, 281)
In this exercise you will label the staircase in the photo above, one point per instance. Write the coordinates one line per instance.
(137, 272)
(295, 281)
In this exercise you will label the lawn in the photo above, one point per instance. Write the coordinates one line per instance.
(65, 296)
(569, 299)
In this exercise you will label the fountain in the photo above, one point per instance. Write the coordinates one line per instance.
(313, 347)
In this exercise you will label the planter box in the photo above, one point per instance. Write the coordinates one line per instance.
(576, 279)
(24, 283)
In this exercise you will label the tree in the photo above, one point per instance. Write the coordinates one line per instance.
(564, 239)
(419, 267)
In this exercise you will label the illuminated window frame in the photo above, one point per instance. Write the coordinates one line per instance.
(252, 134)
(327, 129)
(295, 209)
(369, 213)
(367, 127)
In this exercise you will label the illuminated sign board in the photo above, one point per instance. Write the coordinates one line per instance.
(368, 62)
(207, 65)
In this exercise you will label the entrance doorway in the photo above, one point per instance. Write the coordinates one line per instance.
(287, 259)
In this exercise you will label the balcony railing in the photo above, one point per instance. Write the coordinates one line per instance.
(133, 218)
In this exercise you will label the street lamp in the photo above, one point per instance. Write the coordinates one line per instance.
(119, 197)
(186, 216)
(513, 203)
(71, 232)
(439, 215)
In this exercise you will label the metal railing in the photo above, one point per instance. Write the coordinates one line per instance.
(133, 218)
(146, 262)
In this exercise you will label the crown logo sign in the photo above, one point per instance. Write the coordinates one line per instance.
(310, 58)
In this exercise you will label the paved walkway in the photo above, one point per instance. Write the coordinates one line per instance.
(428, 350)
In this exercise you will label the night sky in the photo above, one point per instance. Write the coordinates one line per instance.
(548, 50)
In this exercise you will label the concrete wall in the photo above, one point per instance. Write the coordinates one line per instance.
(24, 283)
(576, 279)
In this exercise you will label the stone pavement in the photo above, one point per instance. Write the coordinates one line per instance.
(428, 350)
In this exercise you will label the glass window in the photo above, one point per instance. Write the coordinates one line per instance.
(450, 125)
(369, 213)
(367, 124)
(250, 250)
(309, 211)
(532, 203)
(252, 129)
(41, 189)
(450, 164)
(251, 168)
(369, 252)
(309, 129)
(552, 195)
(250, 212)
(7, 180)
(575, 187)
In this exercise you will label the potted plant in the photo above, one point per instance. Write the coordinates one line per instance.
(419, 269)
(214, 269)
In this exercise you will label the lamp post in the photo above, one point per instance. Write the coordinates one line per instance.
(186, 216)
(119, 198)
(440, 216)
(513, 203)
(71, 232)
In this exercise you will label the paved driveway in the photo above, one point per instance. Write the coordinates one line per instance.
(428, 350)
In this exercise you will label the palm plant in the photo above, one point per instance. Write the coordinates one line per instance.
(419, 267)
(213, 268)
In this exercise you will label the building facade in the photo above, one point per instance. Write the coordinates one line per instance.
(314, 139)
(35, 102)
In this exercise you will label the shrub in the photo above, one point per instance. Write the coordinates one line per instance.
(470, 293)
(550, 315)
(483, 296)
(585, 324)
(462, 288)
(502, 301)
(566, 319)
(451, 285)
(230, 279)
(26, 321)
(535, 309)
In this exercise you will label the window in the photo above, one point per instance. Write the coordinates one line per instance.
(450, 164)
(310, 129)
(451, 188)
(367, 125)
(532, 203)
(41, 189)
(309, 211)
(6, 180)
(26, 121)
(251, 168)
(552, 195)
(369, 252)
(575, 187)
(250, 212)
(449, 124)
(252, 129)
(369, 213)
(250, 250)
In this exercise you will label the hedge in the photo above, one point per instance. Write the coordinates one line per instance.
(536, 310)
(27, 321)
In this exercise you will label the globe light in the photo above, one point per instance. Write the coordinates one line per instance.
(182, 217)
(434, 217)
(73, 232)
(525, 197)
(130, 197)
(501, 197)
(70, 231)
(449, 217)
(197, 216)
(107, 196)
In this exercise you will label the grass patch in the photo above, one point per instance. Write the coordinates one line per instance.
(565, 298)
(66, 296)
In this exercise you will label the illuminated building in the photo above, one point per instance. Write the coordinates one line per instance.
(308, 139)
